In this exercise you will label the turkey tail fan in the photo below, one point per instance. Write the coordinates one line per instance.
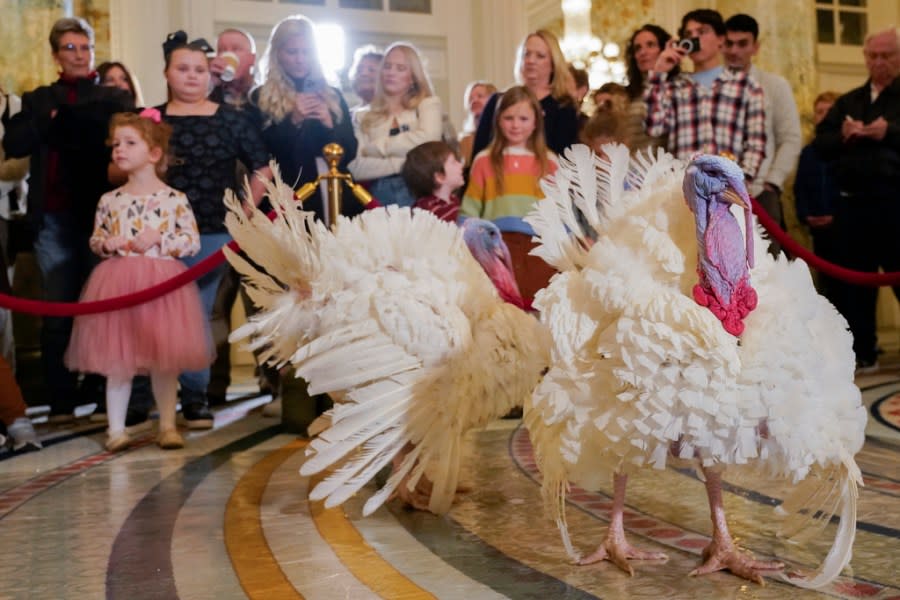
(287, 245)
(647, 169)
(583, 182)
(845, 477)
(612, 175)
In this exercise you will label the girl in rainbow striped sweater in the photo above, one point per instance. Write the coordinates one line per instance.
(504, 182)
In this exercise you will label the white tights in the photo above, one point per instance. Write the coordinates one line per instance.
(118, 391)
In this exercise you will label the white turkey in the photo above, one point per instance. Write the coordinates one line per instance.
(392, 316)
(667, 345)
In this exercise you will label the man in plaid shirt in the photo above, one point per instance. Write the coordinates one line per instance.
(711, 110)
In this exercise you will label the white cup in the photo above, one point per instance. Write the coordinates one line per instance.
(231, 65)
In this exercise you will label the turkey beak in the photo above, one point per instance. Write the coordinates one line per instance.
(502, 253)
(736, 198)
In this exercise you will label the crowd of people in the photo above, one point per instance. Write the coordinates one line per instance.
(119, 198)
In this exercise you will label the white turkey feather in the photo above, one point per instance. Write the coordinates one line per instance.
(392, 316)
(639, 368)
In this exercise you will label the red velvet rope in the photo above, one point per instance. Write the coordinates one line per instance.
(71, 309)
(838, 272)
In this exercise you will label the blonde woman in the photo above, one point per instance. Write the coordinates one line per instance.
(540, 67)
(301, 113)
(403, 114)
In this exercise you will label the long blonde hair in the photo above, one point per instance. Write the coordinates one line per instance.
(418, 91)
(277, 93)
(536, 142)
(561, 80)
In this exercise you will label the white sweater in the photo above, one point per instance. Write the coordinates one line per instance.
(381, 154)
(784, 139)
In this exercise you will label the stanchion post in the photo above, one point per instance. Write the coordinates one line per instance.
(298, 408)
(333, 154)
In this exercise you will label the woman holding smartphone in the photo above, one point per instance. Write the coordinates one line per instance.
(301, 113)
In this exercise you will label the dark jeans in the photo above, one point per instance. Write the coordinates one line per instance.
(230, 288)
(65, 261)
(194, 383)
(868, 230)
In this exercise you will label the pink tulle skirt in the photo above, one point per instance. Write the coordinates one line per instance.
(168, 334)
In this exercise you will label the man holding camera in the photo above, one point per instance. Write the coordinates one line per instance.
(783, 137)
(712, 110)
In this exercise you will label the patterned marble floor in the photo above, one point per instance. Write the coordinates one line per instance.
(228, 517)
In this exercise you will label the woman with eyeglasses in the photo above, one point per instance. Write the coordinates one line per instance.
(63, 127)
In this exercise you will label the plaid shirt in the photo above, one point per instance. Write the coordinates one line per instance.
(729, 117)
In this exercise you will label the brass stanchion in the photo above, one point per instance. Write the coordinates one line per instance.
(298, 408)
(333, 154)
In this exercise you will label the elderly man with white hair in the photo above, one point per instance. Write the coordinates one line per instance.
(861, 134)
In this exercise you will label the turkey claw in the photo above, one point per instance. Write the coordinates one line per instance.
(731, 558)
(619, 553)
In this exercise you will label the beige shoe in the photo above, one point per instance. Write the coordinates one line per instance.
(118, 442)
(170, 439)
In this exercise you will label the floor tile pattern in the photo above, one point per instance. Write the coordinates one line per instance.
(228, 517)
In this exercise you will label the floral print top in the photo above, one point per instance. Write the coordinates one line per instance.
(166, 210)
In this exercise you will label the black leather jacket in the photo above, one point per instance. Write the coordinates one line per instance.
(77, 132)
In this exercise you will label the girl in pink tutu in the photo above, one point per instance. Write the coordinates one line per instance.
(141, 228)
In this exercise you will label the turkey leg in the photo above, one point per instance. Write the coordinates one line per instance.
(722, 553)
(615, 547)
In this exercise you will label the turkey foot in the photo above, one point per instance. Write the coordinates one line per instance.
(722, 553)
(615, 548)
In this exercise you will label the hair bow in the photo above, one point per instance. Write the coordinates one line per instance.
(152, 114)
(179, 39)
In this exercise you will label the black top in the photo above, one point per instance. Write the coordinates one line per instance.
(560, 125)
(75, 137)
(864, 167)
(203, 151)
(295, 148)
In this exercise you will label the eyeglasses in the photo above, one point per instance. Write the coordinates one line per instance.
(74, 47)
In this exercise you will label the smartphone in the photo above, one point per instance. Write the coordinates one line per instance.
(313, 85)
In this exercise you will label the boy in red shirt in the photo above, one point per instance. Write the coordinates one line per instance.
(432, 172)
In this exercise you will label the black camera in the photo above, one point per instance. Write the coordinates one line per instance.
(689, 45)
